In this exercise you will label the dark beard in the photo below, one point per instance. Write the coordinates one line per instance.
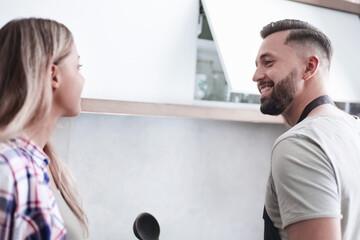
(282, 95)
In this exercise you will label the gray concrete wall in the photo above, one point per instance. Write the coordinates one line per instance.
(202, 179)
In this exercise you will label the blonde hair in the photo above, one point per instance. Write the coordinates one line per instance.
(28, 48)
(66, 183)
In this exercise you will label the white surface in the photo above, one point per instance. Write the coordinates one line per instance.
(236, 26)
(130, 50)
(201, 179)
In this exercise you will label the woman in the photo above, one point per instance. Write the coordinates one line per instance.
(39, 83)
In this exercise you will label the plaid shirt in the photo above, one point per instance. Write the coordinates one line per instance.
(27, 205)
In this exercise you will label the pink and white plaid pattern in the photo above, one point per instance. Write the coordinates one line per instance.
(27, 204)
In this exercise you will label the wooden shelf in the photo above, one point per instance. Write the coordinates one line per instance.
(239, 113)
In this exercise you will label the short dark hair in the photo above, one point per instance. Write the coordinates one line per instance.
(301, 33)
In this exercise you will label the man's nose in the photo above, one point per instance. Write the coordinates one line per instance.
(258, 75)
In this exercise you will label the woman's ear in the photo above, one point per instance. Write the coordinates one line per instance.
(311, 66)
(55, 81)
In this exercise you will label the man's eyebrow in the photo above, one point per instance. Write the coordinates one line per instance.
(264, 55)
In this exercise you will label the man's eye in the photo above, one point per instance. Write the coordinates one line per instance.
(268, 63)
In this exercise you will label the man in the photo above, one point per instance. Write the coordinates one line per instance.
(313, 190)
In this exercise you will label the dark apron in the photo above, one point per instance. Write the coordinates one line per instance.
(270, 231)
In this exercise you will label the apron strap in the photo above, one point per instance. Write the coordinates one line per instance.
(315, 103)
(270, 231)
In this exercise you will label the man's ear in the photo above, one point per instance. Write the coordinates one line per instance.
(55, 81)
(312, 64)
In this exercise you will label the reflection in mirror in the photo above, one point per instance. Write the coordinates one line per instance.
(210, 80)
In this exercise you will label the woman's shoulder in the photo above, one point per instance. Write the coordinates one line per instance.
(18, 165)
(9, 161)
(22, 152)
(12, 155)
(14, 161)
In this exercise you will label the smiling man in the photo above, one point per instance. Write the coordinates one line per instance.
(313, 191)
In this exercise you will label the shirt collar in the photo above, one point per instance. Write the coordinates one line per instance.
(30, 147)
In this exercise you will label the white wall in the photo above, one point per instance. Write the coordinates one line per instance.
(202, 179)
(130, 50)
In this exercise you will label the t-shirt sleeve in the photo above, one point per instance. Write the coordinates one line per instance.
(305, 181)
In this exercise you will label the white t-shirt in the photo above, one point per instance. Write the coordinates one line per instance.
(315, 172)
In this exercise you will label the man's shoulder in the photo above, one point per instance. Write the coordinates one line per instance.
(314, 127)
(299, 132)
